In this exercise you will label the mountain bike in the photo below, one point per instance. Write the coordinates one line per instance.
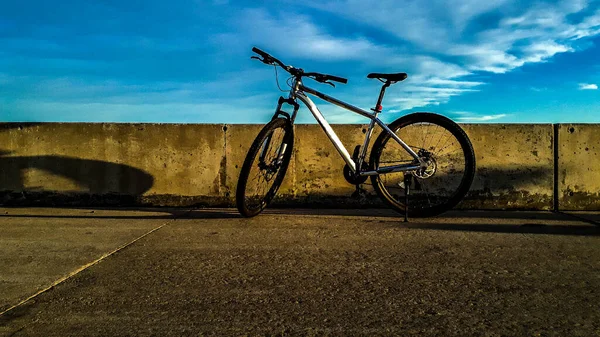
(424, 155)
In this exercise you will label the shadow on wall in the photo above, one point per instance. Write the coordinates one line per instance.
(511, 187)
(74, 180)
(507, 178)
(504, 187)
(96, 180)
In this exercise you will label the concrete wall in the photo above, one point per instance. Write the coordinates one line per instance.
(578, 174)
(515, 166)
(198, 164)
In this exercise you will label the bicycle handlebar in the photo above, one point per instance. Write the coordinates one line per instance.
(268, 59)
(324, 77)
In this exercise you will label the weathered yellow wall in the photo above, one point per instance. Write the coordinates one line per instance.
(515, 166)
(160, 164)
(198, 164)
(579, 166)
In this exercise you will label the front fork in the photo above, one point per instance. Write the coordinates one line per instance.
(291, 118)
(279, 112)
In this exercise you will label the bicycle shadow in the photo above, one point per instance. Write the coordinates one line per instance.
(93, 178)
(517, 222)
(82, 181)
(495, 187)
(525, 188)
(124, 213)
(523, 222)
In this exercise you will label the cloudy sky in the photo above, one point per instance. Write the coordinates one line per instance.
(189, 61)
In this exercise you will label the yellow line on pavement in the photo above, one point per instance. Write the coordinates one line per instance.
(80, 269)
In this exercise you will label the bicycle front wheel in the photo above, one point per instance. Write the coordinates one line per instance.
(264, 167)
(450, 164)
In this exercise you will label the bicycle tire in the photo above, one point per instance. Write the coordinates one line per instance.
(270, 139)
(390, 187)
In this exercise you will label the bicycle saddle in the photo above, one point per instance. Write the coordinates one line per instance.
(397, 77)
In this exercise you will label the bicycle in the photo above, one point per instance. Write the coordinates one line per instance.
(443, 177)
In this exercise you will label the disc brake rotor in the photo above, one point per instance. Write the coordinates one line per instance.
(431, 165)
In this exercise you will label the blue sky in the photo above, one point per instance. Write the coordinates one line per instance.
(188, 61)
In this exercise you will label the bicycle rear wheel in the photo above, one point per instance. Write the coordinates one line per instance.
(448, 176)
(264, 167)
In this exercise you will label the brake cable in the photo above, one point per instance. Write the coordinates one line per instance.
(277, 78)
(288, 81)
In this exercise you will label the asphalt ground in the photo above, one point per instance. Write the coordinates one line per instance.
(161, 272)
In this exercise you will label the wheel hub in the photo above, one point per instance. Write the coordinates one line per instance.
(430, 165)
(269, 170)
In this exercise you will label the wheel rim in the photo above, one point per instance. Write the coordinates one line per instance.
(435, 187)
(266, 166)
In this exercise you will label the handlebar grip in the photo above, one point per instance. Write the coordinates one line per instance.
(337, 79)
(261, 53)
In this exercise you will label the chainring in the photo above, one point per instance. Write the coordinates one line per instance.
(352, 178)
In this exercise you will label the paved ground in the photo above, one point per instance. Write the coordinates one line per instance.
(297, 272)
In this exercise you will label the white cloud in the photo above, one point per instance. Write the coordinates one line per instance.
(525, 33)
(137, 111)
(586, 86)
(440, 26)
(420, 96)
(431, 81)
(447, 42)
(451, 83)
(433, 25)
(297, 35)
(480, 118)
(496, 59)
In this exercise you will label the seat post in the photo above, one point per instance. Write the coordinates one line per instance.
(378, 107)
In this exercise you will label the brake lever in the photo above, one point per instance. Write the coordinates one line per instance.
(322, 79)
(265, 60)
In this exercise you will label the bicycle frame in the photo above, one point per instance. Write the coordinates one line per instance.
(299, 91)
